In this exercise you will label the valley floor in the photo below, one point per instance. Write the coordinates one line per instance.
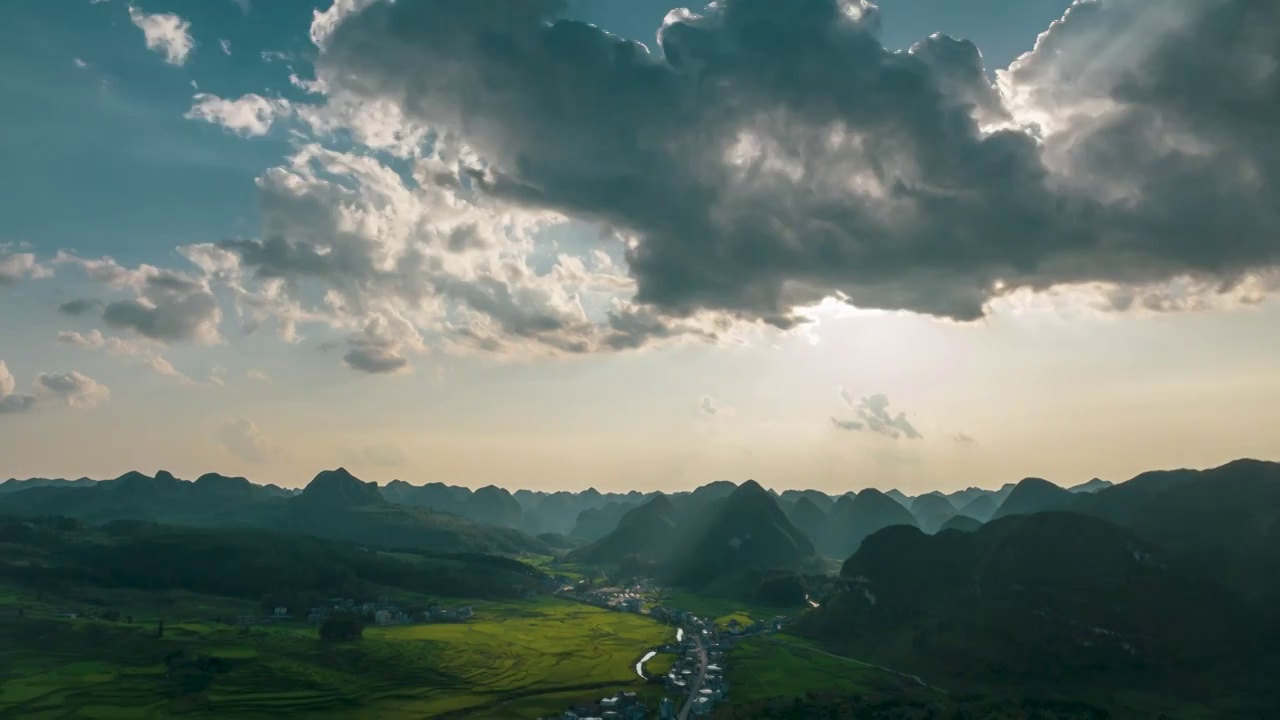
(513, 659)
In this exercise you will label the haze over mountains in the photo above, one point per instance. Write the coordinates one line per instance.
(589, 514)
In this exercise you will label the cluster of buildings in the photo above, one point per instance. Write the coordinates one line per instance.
(620, 706)
(696, 678)
(621, 599)
(384, 613)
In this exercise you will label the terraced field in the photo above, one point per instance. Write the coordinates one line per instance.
(517, 659)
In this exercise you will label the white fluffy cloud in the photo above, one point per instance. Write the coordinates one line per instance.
(166, 34)
(249, 115)
(20, 266)
(404, 265)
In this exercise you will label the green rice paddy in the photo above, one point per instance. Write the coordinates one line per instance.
(514, 659)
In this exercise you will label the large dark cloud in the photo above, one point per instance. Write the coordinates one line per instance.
(776, 153)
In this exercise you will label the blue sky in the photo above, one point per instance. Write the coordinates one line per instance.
(102, 160)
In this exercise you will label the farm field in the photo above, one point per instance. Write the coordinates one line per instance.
(514, 659)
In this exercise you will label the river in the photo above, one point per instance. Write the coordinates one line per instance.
(640, 664)
(649, 655)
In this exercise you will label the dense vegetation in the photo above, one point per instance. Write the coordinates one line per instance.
(294, 571)
(1056, 602)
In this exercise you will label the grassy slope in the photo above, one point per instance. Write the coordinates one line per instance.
(516, 659)
(766, 667)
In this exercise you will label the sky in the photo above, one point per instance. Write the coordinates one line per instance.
(616, 243)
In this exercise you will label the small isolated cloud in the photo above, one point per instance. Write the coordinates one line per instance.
(243, 439)
(166, 34)
(962, 439)
(244, 5)
(20, 266)
(79, 63)
(80, 306)
(225, 44)
(380, 349)
(72, 389)
(249, 116)
(375, 360)
(254, 374)
(872, 413)
(275, 56)
(383, 455)
(709, 406)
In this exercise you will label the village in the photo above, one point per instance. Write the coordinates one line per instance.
(382, 612)
(695, 684)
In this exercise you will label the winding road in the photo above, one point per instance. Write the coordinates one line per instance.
(696, 685)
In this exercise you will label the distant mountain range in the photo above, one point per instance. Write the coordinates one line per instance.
(334, 505)
(447, 518)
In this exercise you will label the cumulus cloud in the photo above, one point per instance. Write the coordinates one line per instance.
(244, 5)
(168, 306)
(244, 440)
(166, 34)
(15, 267)
(963, 439)
(254, 374)
(872, 414)
(250, 115)
(395, 262)
(225, 44)
(773, 155)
